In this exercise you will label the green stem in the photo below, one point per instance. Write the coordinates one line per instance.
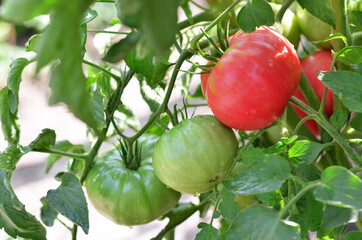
(63, 154)
(104, 1)
(65, 225)
(300, 194)
(283, 9)
(117, 78)
(74, 232)
(197, 38)
(104, 31)
(327, 126)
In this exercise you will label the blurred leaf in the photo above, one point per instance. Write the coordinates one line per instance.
(88, 16)
(255, 14)
(30, 45)
(267, 174)
(261, 223)
(121, 49)
(69, 200)
(47, 213)
(97, 106)
(340, 187)
(228, 207)
(208, 232)
(125, 118)
(338, 119)
(14, 219)
(304, 152)
(320, 9)
(351, 55)
(22, 10)
(270, 198)
(352, 236)
(44, 141)
(356, 123)
(9, 125)
(14, 79)
(153, 96)
(130, 12)
(11, 155)
(336, 216)
(346, 85)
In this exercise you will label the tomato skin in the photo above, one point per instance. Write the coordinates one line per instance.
(129, 197)
(195, 155)
(318, 61)
(313, 28)
(250, 85)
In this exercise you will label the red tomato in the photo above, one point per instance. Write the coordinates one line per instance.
(318, 61)
(252, 82)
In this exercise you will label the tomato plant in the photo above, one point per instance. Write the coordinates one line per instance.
(129, 71)
(318, 61)
(195, 155)
(129, 196)
(250, 85)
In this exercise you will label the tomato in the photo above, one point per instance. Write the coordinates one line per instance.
(313, 28)
(129, 197)
(318, 61)
(195, 155)
(250, 85)
(290, 27)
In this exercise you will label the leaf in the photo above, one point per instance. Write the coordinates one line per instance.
(352, 236)
(153, 96)
(125, 118)
(14, 219)
(304, 152)
(255, 14)
(228, 207)
(64, 146)
(44, 141)
(270, 198)
(143, 65)
(346, 85)
(121, 49)
(340, 187)
(250, 155)
(8, 124)
(30, 45)
(23, 10)
(14, 78)
(88, 16)
(336, 216)
(261, 223)
(310, 213)
(69, 200)
(320, 9)
(47, 213)
(351, 55)
(11, 155)
(97, 106)
(267, 174)
(338, 119)
(208, 232)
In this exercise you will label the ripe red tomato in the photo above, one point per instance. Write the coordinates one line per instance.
(321, 60)
(250, 85)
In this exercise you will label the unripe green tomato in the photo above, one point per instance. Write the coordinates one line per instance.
(313, 28)
(290, 27)
(195, 155)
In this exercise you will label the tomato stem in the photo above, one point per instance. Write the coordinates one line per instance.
(117, 78)
(63, 154)
(283, 9)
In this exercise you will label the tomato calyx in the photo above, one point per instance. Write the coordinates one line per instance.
(130, 157)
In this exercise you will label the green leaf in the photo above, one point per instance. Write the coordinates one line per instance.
(351, 55)
(340, 187)
(47, 213)
(88, 16)
(8, 124)
(352, 236)
(153, 96)
(155, 129)
(255, 14)
(97, 106)
(261, 223)
(250, 155)
(304, 152)
(267, 174)
(338, 119)
(69, 200)
(336, 216)
(30, 45)
(11, 155)
(44, 141)
(64, 146)
(346, 85)
(143, 65)
(130, 12)
(125, 118)
(14, 78)
(270, 198)
(208, 232)
(228, 207)
(356, 122)
(310, 213)
(23, 10)
(121, 49)
(14, 219)
(320, 9)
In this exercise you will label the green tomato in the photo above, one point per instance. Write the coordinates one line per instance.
(289, 25)
(313, 28)
(129, 197)
(195, 155)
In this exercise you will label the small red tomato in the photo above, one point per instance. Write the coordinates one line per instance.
(250, 85)
(318, 61)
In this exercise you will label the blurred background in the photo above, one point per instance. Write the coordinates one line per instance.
(29, 179)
